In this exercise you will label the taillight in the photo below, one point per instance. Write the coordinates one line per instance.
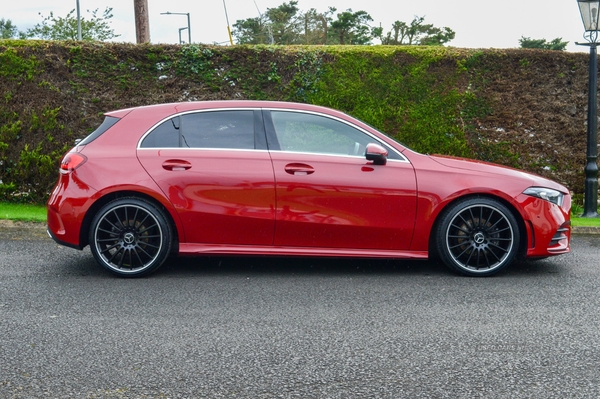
(71, 161)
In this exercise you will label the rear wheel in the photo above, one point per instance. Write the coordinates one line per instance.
(130, 237)
(477, 237)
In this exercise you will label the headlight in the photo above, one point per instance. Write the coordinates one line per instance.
(548, 194)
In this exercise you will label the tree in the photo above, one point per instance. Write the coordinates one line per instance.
(352, 27)
(315, 26)
(7, 29)
(556, 44)
(251, 31)
(417, 33)
(279, 25)
(59, 28)
(284, 23)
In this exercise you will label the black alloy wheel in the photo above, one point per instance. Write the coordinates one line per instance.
(130, 237)
(478, 237)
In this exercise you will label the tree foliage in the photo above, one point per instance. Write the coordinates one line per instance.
(556, 44)
(316, 26)
(7, 29)
(284, 23)
(352, 27)
(417, 33)
(65, 28)
(287, 24)
(251, 31)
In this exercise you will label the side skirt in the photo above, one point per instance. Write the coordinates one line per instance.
(213, 249)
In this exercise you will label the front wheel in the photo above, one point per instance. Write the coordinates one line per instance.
(130, 237)
(477, 237)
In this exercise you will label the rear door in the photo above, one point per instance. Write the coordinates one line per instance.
(215, 169)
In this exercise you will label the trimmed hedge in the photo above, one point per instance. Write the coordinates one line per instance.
(522, 108)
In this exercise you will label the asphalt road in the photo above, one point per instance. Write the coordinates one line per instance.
(295, 328)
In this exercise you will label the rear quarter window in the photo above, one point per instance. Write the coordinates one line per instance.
(108, 122)
(165, 135)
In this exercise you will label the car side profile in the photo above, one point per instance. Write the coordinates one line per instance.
(288, 179)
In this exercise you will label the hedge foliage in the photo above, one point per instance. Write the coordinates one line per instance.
(523, 108)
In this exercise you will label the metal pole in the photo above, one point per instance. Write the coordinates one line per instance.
(78, 22)
(189, 27)
(227, 19)
(189, 30)
(590, 204)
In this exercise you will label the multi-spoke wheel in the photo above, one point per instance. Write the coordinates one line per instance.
(477, 237)
(130, 237)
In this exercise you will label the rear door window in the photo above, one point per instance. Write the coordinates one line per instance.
(230, 129)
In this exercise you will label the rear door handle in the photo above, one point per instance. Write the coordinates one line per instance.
(176, 164)
(299, 169)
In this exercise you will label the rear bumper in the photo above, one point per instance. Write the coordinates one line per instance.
(58, 241)
(67, 207)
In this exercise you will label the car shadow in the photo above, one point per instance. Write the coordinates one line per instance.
(189, 266)
(197, 266)
(177, 267)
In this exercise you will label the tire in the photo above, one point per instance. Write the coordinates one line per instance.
(477, 237)
(130, 237)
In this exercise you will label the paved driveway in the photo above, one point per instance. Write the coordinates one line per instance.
(295, 328)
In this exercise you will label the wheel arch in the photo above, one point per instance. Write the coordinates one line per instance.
(523, 231)
(100, 202)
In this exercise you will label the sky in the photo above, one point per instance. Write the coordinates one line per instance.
(477, 23)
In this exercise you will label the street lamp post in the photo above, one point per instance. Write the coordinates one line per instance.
(181, 41)
(78, 22)
(589, 15)
(188, 20)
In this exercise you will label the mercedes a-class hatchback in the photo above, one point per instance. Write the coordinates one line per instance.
(285, 179)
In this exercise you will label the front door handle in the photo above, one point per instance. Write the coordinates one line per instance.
(299, 169)
(176, 164)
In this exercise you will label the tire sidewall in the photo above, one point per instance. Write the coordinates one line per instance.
(443, 227)
(157, 213)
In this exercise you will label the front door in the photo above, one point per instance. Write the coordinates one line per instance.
(329, 195)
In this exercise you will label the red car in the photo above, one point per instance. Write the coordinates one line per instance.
(286, 179)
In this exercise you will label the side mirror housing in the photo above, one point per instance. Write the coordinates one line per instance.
(376, 153)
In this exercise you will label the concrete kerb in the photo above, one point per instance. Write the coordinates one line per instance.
(585, 230)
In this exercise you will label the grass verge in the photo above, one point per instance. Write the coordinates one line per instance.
(585, 222)
(23, 212)
(37, 213)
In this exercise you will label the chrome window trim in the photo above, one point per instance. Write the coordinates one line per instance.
(320, 154)
(199, 149)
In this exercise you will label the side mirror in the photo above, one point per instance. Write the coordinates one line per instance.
(376, 153)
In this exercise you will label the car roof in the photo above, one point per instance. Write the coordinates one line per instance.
(200, 105)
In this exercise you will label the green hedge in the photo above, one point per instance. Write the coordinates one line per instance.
(433, 99)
